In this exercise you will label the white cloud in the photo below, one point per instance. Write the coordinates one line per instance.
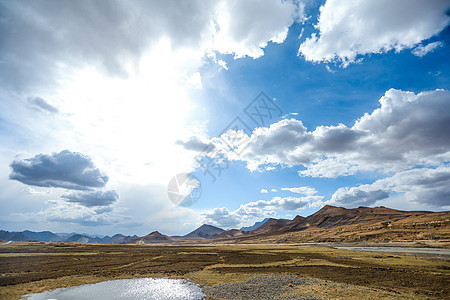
(221, 217)
(329, 69)
(223, 64)
(195, 80)
(303, 190)
(351, 28)
(273, 190)
(429, 187)
(405, 131)
(63, 212)
(278, 203)
(34, 191)
(331, 167)
(239, 28)
(263, 191)
(260, 209)
(424, 50)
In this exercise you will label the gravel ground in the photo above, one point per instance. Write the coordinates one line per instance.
(265, 287)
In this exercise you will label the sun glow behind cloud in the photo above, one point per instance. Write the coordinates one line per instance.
(131, 124)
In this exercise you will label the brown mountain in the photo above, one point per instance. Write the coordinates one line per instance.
(204, 232)
(232, 233)
(338, 224)
(153, 238)
(332, 216)
(272, 225)
(298, 218)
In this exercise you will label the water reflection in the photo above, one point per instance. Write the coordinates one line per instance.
(137, 288)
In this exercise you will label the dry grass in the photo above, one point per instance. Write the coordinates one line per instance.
(340, 273)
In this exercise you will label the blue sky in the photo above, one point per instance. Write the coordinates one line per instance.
(102, 107)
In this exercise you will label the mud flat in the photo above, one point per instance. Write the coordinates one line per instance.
(324, 272)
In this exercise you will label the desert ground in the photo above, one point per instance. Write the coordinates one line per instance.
(330, 273)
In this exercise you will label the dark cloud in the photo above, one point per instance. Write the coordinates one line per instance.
(94, 198)
(42, 104)
(66, 169)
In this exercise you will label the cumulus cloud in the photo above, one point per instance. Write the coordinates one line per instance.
(66, 169)
(91, 198)
(263, 191)
(423, 185)
(42, 104)
(351, 28)
(405, 131)
(233, 16)
(221, 217)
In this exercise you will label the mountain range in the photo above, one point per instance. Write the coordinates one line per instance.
(47, 236)
(330, 224)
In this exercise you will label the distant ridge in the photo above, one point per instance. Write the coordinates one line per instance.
(330, 223)
(41, 236)
(120, 239)
(255, 226)
(47, 236)
(83, 239)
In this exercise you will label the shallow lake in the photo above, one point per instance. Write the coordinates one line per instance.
(137, 288)
(398, 249)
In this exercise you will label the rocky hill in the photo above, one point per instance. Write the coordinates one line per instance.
(153, 238)
(204, 232)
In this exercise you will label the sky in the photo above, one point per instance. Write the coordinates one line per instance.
(130, 117)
